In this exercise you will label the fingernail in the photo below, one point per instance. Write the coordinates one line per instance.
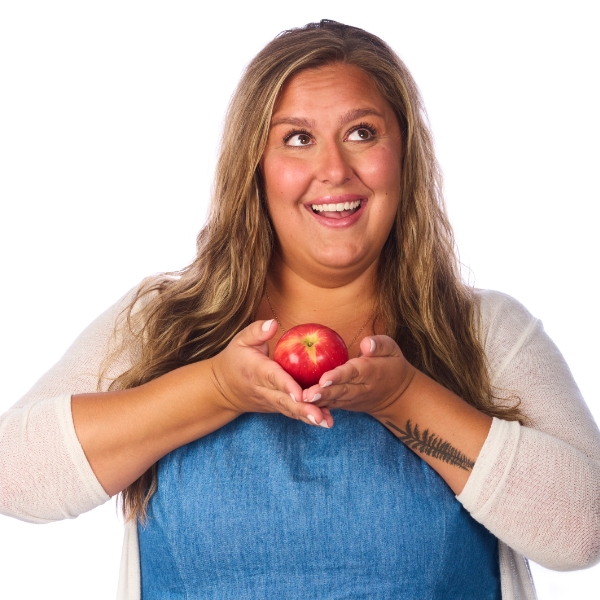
(327, 384)
(372, 344)
(315, 398)
(312, 419)
(323, 423)
(293, 398)
(267, 325)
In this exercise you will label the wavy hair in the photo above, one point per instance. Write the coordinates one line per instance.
(191, 315)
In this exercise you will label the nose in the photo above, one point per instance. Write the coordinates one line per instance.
(333, 166)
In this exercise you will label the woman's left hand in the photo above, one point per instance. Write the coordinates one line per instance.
(369, 383)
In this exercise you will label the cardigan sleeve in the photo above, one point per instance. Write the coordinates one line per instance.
(536, 487)
(44, 474)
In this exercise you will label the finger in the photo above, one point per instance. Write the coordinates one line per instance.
(327, 421)
(342, 373)
(346, 373)
(275, 378)
(257, 333)
(379, 345)
(322, 392)
(278, 379)
(311, 415)
(312, 394)
(341, 385)
(328, 417)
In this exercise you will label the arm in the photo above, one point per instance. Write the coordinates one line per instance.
(44, 473)
(537, 488)
(65, 448)
(123, 433)
(444, 430)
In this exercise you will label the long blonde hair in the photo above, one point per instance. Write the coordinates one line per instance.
(193, 314)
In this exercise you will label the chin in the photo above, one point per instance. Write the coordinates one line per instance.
(343, 261)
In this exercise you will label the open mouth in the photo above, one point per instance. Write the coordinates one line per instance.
(336, 211)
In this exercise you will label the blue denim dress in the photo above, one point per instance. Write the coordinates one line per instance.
(271, 508)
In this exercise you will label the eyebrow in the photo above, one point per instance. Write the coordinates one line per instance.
(351, 115)
(297, 121)
(358, 113)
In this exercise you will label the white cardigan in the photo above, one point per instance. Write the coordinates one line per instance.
(536, 488)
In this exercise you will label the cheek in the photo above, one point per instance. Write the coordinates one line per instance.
(380, 170)
(286, 179)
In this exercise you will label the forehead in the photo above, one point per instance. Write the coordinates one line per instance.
(334, 85)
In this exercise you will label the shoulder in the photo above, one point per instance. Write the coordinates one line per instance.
(121, 319)
(506, 327)
(137, 299)
(501, 315)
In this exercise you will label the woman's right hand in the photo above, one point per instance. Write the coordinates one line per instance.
(125, 432)
(249, 381)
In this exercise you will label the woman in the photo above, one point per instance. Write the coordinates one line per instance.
(327, 208)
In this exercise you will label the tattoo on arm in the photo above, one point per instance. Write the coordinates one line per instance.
(430, 444)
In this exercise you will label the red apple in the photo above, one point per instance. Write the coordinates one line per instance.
(307, 351)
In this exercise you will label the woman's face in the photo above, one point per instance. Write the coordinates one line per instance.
(332, 171)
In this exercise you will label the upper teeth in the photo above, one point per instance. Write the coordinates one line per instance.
(336, 207)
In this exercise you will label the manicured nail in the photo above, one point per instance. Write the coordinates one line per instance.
(327, 383)
(312, 419)
(323, 423)
(293, 398)
(267, 325)
(373, 346)
(315, 398)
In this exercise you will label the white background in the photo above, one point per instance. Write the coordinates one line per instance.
(109, 123)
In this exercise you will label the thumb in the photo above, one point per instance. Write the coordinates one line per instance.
(379, 345)
(257, 333)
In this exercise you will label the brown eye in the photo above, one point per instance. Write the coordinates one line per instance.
(299, 139)
(360, 135)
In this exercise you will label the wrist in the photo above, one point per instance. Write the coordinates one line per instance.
(222, 394)
(401, 400)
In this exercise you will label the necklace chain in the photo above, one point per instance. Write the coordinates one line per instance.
(284, 330)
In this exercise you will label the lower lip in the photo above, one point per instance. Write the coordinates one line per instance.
(344, 221)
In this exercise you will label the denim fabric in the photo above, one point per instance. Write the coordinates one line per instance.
(270, 508)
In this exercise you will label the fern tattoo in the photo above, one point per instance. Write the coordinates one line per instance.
(430, 444)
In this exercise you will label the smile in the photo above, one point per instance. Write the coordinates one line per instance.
(339, 207)
(344, 213)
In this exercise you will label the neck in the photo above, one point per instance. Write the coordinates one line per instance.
(297, 299)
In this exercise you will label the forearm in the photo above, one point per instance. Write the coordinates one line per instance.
(44, 474)
(445, 431)
(123, 433)
(538, 494)
(535, 492)
(537, 488)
